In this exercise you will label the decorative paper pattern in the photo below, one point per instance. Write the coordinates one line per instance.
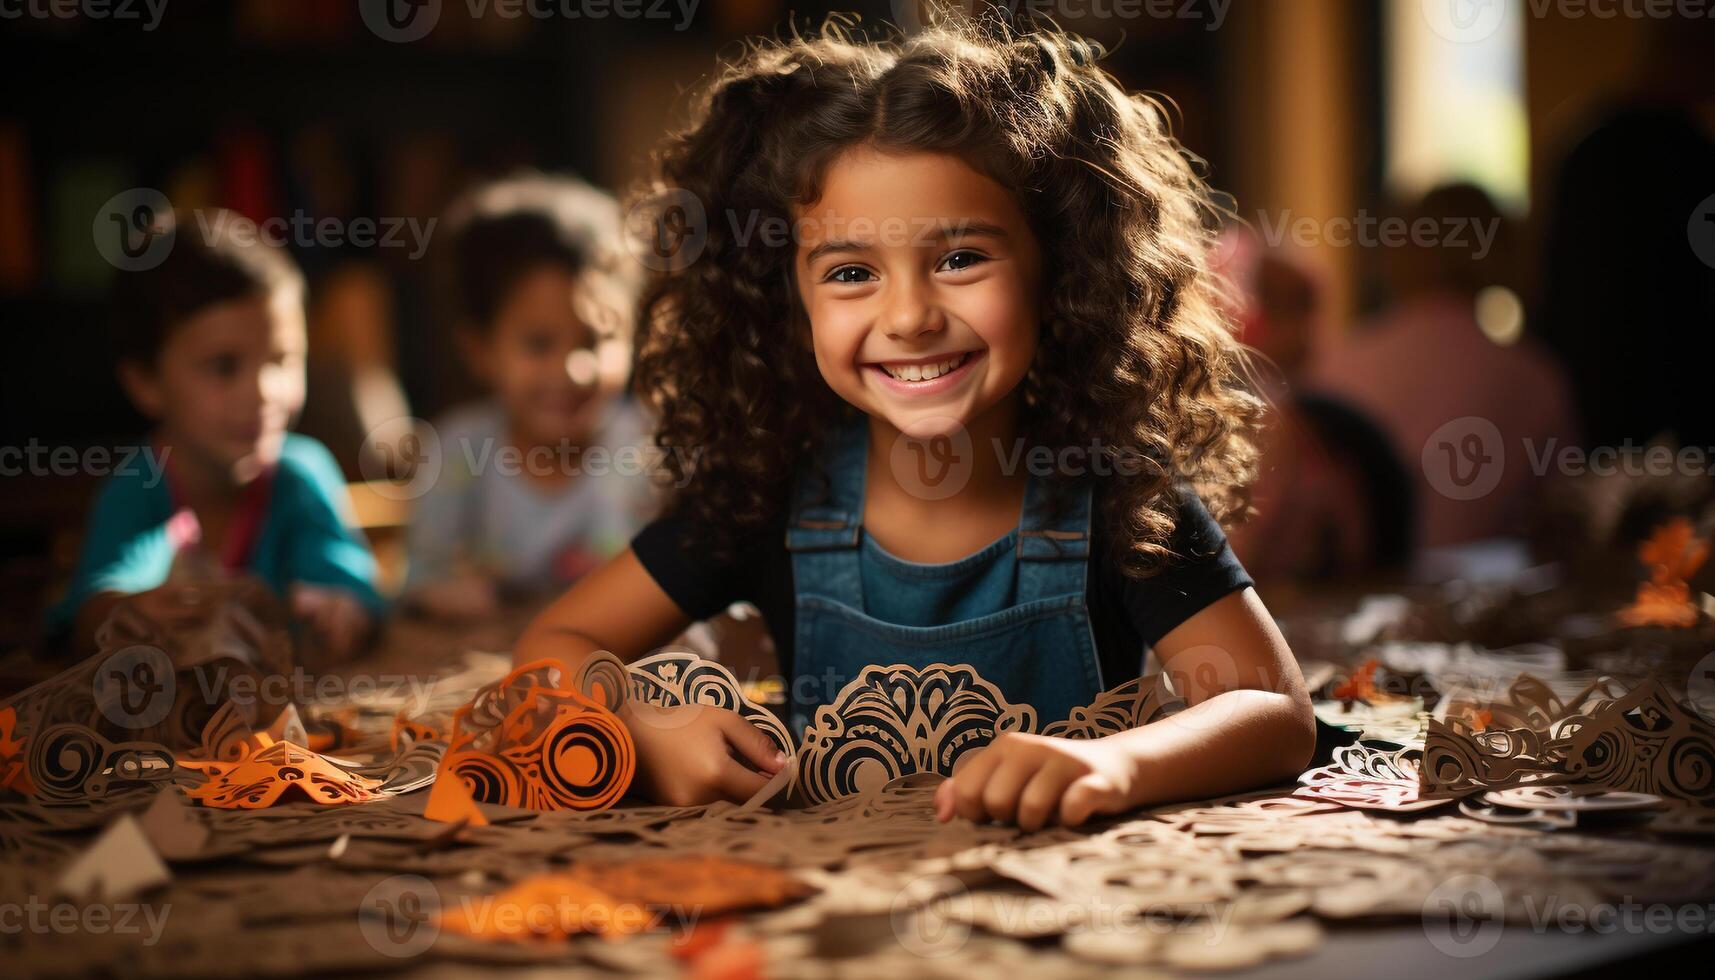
(264, 777)
(527, 742)
(898, 720)
(1643, 741)
(676, 677)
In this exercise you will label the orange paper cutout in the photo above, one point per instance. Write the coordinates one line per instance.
(1672, 554)
(265, 776)
(545, 909)
(414, 731)
(450, 802)
(527, 742)
(14, 755)
(712, 885)
(1361, 686)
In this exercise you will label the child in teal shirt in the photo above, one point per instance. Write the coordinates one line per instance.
(211, 346)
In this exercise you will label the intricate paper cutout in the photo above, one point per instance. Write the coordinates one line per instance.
(73, 762)
(897, 720)
(1369, 779)
(267, 775)
(527, 742)
(676, 677)
(1643, 741)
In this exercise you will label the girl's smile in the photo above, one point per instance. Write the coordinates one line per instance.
(921, 278)
(924, 376)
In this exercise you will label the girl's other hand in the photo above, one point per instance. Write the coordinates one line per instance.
(1032, 780)
(694, 753)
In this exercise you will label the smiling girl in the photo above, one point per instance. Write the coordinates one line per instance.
(998, 257)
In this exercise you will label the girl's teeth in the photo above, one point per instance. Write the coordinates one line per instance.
(925, 372)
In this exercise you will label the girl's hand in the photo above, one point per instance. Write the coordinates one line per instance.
(1033, 779)
(695, 753)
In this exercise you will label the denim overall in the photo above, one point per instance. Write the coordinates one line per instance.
(1014, 610)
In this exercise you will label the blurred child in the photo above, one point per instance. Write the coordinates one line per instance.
(541, 482)
(211, 348)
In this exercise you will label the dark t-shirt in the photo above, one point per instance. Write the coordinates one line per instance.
(1126, 615)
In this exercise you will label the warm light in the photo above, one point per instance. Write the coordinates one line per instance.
(584, 367)
(1500, 314)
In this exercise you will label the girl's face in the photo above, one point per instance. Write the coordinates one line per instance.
(544, 361)
(922, 281)
(227, 383)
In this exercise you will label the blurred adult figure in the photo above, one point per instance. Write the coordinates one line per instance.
(1446, 372)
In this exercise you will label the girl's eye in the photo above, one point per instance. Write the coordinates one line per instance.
(539, 344)
(223, 365)
(963, 259)
(849, 274)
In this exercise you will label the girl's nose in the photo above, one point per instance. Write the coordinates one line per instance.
(911, 311)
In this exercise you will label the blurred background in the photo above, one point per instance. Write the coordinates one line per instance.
(1463, 230)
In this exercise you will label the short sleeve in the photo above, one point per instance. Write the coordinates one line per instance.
(676, 554)
(126, 546)
(326, 548)
(1203, 569)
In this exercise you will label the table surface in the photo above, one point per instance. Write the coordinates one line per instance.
(299, 904)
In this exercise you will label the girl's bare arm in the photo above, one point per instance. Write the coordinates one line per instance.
(617, 608)
(1249, 724)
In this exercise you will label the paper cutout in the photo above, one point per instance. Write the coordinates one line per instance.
(174, 829)
(450, 802)
(119, 864)
(896, 720)
(1672, 554)
(1369, 779)
(1643, 741)
(73, 762)
(891, 721)
(676, 677)
(14, 755)
(266, 776)
(528, 742)
(711, 885)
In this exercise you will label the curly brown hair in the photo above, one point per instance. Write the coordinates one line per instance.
(1135, 352)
